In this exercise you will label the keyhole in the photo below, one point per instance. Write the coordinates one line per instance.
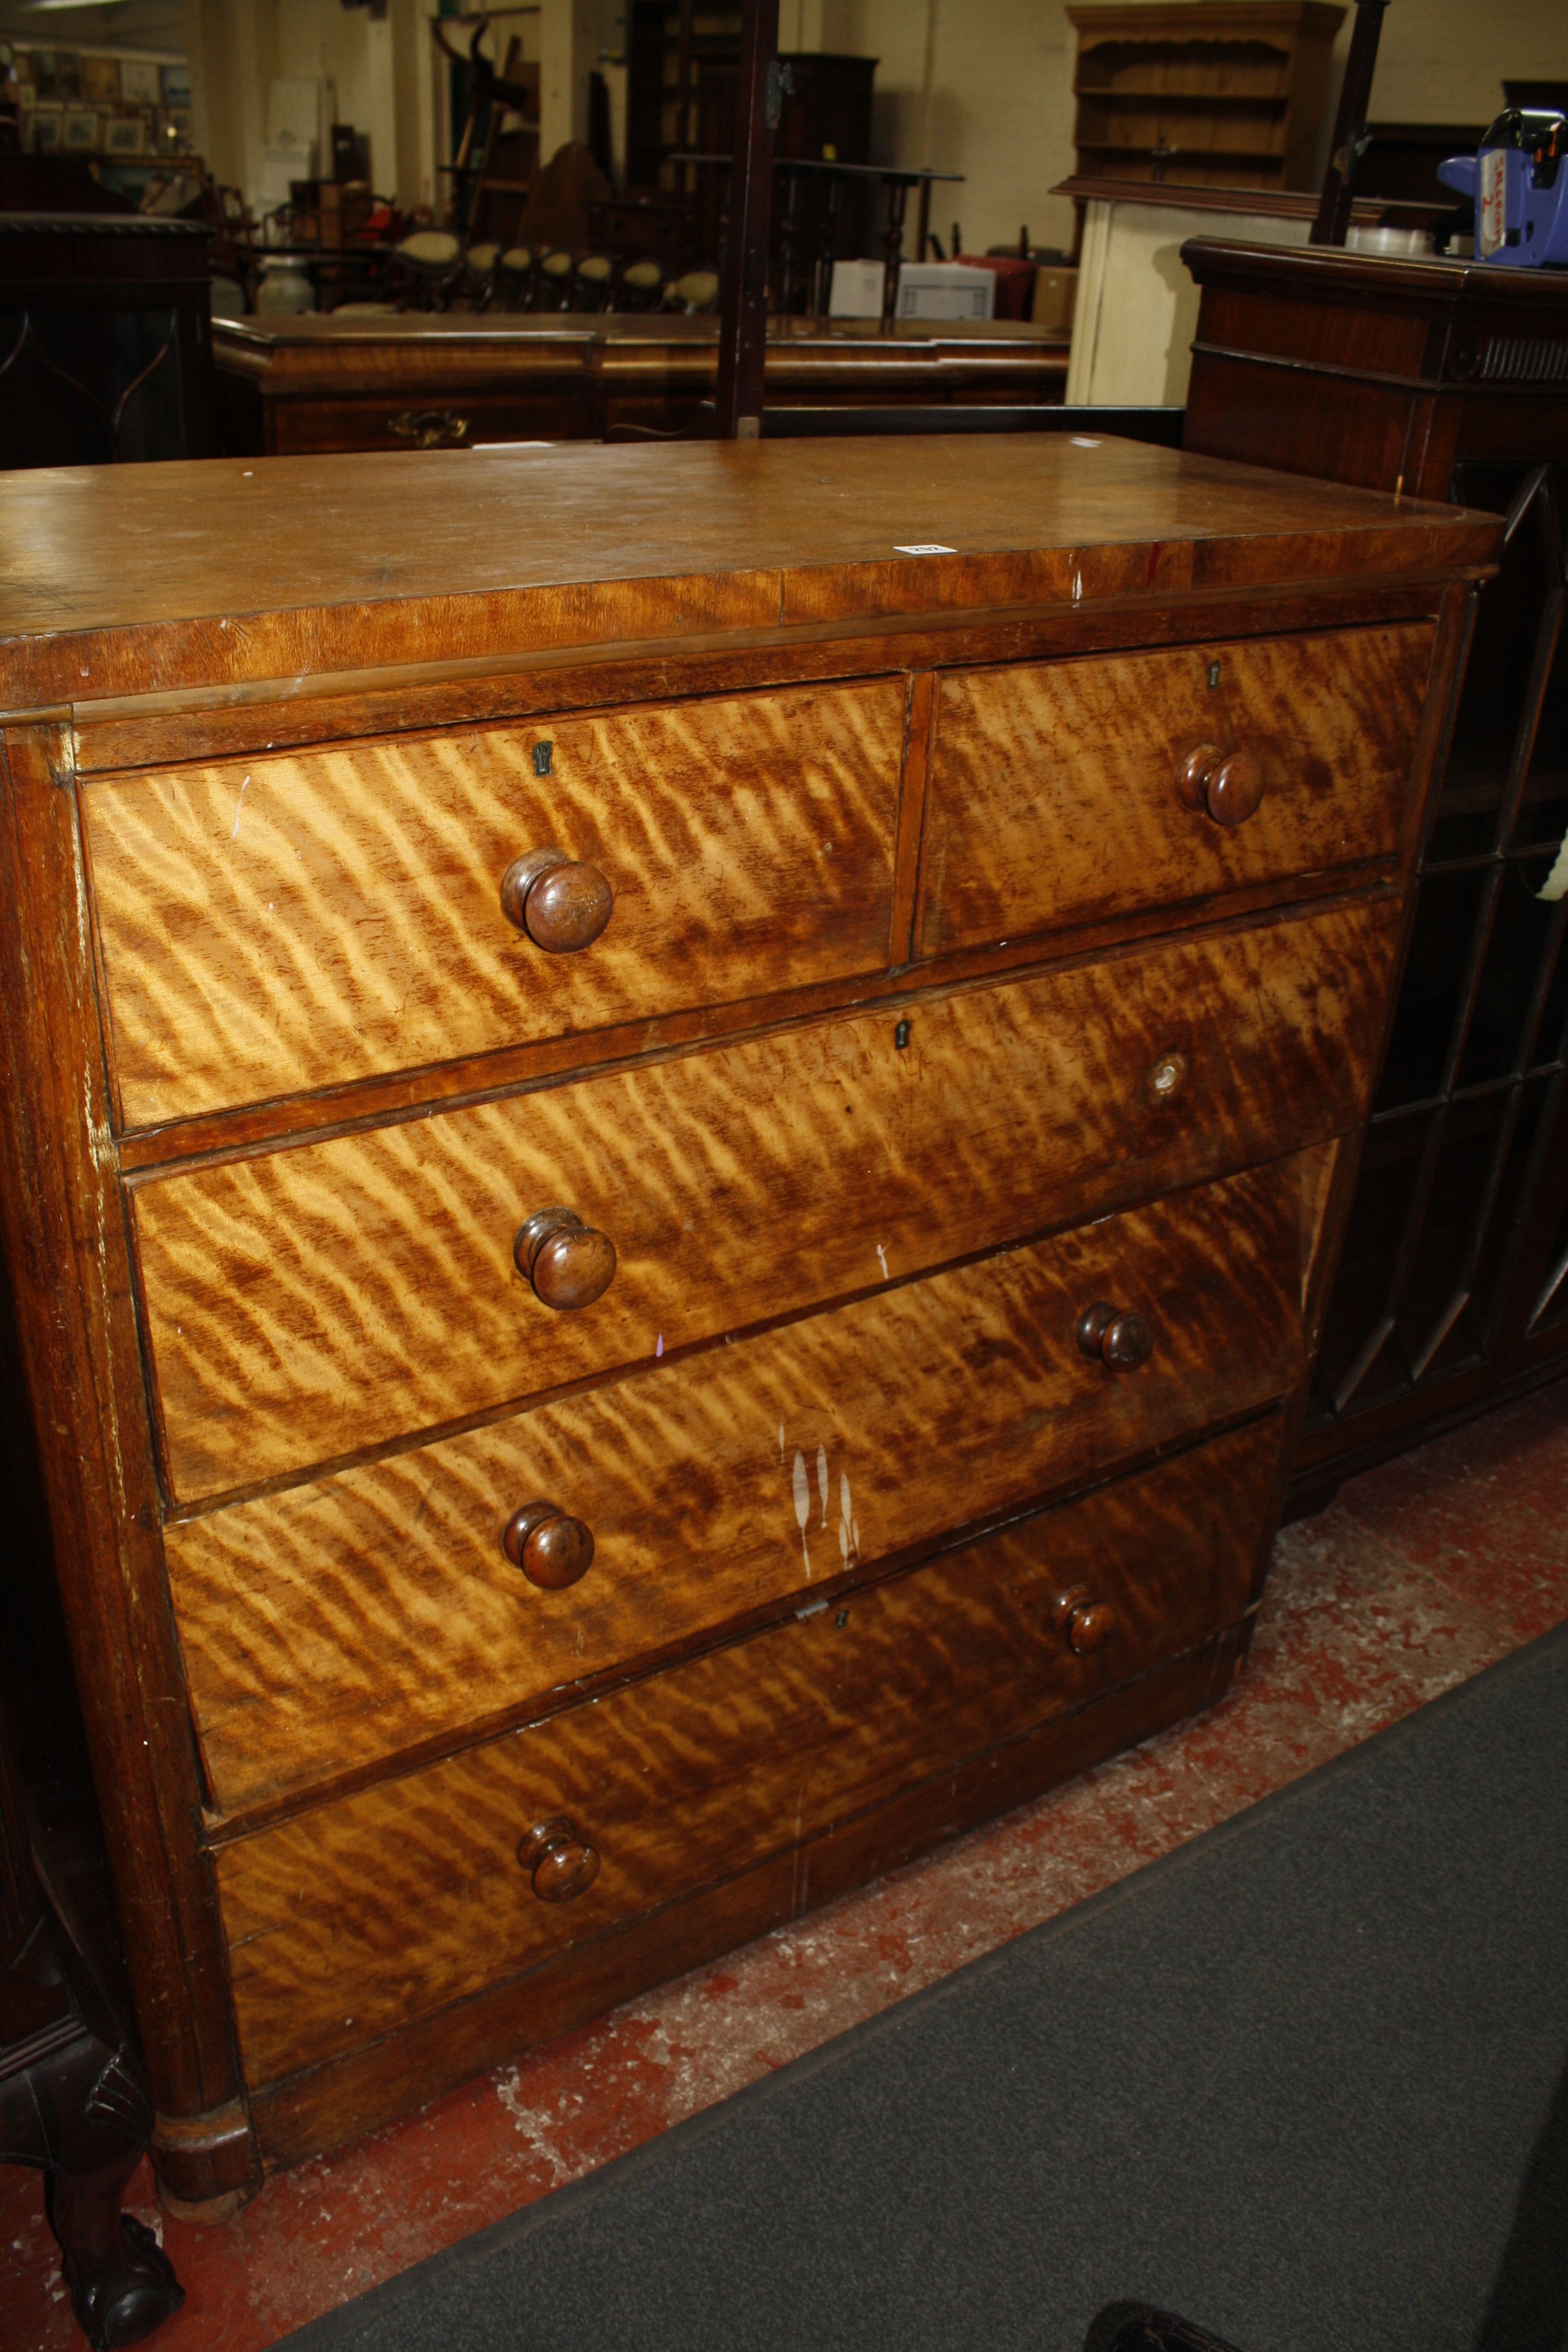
(1214, 673)
(543, 752)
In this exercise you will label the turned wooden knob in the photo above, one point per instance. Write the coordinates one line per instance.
(561, 904)
(1224, 785)
(1084, 1622)
(558, 1859)
(551, 1548)
(567, 1261)
(1111, 1336)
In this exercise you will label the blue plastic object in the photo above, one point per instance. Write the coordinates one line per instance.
(1518, 180)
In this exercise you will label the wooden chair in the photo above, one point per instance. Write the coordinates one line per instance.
(429, 265)
(593, 283)
(696, 292)
(553, 287)
(641, 287)
(516, 270)
(479, 279)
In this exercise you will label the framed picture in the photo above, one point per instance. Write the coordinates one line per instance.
(100, 80)
(43, 73)
(46, 130)
(176, 85)
(127, 135)
(174, 129)
(139, 84)
(81, 129)
(68, 74)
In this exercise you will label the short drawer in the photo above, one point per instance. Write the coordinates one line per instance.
(1056, 793)
(327, 1627)
(356, 1917)
(307, 1302)
(274, 925)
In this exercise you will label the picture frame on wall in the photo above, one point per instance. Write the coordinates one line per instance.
(42, 74)
(100, 80)
(125, 136)
(67, 73)
(46, 130)
(139, 81)
(78, 133)
(176, 86)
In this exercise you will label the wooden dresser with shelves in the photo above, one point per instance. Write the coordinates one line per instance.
(1211, 93)
(679, 1118)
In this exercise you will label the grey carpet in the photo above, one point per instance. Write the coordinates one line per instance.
(1301, 2080)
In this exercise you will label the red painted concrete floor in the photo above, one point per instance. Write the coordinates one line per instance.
(1420, 1574)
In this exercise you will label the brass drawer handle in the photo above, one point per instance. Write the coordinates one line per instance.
(428, 428)
(551, 1548)
(1111, 1335)
(561, 904)
(568, 1263)
(1085, 1623)
(558, 1859)
(1228, 786)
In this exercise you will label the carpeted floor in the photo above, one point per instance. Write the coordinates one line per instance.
(1303, 2080)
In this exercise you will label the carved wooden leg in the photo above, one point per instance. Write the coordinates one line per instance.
(122, 2285)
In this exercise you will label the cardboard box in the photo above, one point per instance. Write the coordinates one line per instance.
(1056, 291)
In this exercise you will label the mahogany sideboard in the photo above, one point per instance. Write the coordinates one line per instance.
(1448, 380)
(336, 380)
(679, 1118)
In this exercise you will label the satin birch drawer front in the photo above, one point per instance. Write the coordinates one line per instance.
(329, 1626)
(383, 1906)
(281, 924)
(1074, 791)
(307, 1302)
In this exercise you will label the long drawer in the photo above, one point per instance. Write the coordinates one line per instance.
(354, 1918)
(1055, 795)
(278, 924)
(330, 1626)
(307, 1302)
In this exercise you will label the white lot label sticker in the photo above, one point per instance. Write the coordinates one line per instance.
(1082, 441)
(932, 550)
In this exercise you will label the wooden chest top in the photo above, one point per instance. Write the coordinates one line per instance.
(141, 579)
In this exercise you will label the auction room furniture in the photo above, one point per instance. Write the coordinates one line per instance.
(678, 1115)
(1136, 309)
(331, 382)
(104, 331)
(1217, 94)
(1450, 381)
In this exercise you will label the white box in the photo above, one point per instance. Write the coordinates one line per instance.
(944, 289)
(857, 290)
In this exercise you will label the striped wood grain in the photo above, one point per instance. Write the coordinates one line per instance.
(354, 1918)
(328, 1627)
(272, 925)
(310, 1301)
(1052, 792)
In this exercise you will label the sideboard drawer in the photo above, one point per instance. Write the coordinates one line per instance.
(1056, 794)
(307, 1302)
(329, 1626)
(279, 924)
(351, 1919)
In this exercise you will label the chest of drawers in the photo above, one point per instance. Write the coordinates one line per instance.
(677, 1119)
